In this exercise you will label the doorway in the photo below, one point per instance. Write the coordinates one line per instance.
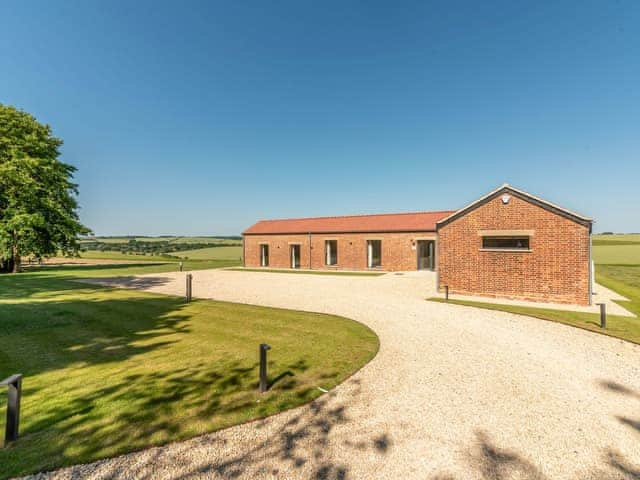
(295, 256)
(426, 254)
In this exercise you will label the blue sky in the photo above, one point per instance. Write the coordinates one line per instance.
(202, 117)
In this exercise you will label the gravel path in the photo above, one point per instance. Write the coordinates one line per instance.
(454, 393)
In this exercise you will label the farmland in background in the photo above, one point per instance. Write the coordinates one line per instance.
(110, 247)
(212, 253)
(617, 249)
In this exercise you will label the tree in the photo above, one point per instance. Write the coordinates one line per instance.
(38, 206)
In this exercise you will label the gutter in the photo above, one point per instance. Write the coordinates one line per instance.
(591, 268)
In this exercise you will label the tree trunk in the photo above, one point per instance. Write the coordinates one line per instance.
(16, 263)
(16, 254)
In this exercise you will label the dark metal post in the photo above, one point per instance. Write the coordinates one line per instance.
(14, 394)
(189, 283)
(446, 292)
(603, 315)
(263, 367)
(180, 266)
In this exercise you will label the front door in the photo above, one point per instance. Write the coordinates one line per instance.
(295, 256)
(426, 254)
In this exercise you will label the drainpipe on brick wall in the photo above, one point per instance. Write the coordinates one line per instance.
(591, 269)
(310, 251)
(244, 257)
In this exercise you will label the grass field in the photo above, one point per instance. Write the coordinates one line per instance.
(212, 253)
(628, 237)
(224, 258)
(216, 240)
(109, 371)
(616, 249)
(94, 254)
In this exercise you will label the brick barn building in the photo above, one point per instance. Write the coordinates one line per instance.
(506, 244)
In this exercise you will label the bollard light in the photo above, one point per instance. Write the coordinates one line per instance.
(446, 292)
(264, 386)
(603, 315)
(14, 393)
(189, 287)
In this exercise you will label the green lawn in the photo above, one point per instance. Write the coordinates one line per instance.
(223, 260)
(310, 272)
(109, 371)
(624, 279)
(212, 253)
(625, 254)
(626, 237)
(616, 249)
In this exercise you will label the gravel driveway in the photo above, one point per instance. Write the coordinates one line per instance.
(455, 392)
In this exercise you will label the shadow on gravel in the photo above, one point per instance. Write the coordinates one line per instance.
(302, 441)
(300, 448)
(140, 283)
(492, 462)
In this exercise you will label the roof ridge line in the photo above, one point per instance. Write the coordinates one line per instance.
(356, 215)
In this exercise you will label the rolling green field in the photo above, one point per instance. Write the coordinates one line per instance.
(616, 249)
(215, 240)
(94, 254)
(212, 253)
(109, 371)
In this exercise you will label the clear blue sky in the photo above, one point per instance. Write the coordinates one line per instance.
(202, 117)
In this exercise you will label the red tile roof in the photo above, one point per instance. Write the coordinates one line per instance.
(387, 222)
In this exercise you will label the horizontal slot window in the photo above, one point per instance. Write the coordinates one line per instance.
(505, 243)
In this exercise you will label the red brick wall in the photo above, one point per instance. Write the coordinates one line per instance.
(555, 270)
(397, 250)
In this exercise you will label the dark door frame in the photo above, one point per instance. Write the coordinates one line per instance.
(432, 266)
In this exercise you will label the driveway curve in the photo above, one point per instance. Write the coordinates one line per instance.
(454, 393)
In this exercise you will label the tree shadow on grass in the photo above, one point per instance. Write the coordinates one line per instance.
(140, 410)
(130, 281)
(47, 335)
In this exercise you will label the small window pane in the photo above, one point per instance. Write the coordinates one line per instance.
(331, 252)
(264, 255)
(374, 253)
(509, 243)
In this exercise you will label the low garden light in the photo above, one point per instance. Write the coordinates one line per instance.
(264, 386)
(189, 287)
(14, 393)
(603, 315)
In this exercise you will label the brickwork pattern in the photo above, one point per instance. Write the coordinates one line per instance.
(556, 269)
(399, 252)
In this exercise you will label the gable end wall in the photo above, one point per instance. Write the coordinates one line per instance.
(555, 270)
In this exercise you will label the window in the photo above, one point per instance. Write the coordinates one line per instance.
(331, 252)
(264, 255)
(505, 243)
(374, 253)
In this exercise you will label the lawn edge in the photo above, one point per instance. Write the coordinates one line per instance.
(472, 304)
(248, 422)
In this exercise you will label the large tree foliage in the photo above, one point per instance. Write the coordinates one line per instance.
(38, 207)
